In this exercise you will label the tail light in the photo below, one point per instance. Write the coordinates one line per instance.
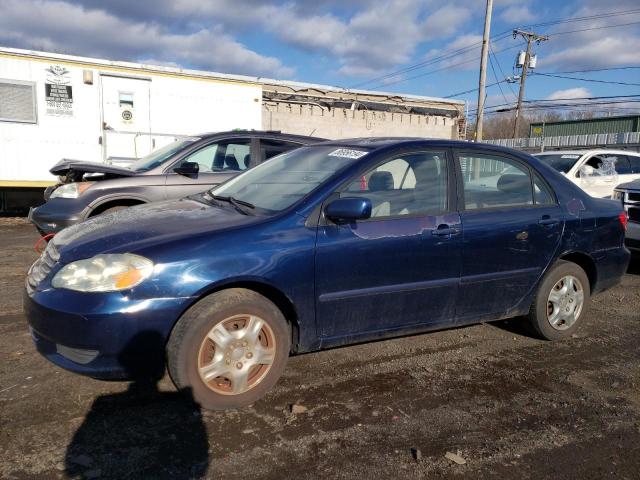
(624, 219)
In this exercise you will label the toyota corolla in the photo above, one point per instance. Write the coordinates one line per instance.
(327, 245)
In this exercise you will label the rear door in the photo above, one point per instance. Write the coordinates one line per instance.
(401, 267)
(218, 161)
(511, 229)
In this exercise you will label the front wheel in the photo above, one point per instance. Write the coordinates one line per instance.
(229, 349)
(560, 302)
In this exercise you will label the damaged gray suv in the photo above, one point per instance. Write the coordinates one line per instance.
(185, 167)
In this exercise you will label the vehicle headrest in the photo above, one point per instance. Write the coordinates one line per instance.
(231, 162)
(513, 182)
(380, 181)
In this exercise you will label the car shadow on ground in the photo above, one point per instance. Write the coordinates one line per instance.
(141, 432)
(634, 264)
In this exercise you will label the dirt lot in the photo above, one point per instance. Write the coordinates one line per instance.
(509, 405)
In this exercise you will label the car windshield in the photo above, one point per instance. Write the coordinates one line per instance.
(283, 180)
(158, 157)
(562, 162)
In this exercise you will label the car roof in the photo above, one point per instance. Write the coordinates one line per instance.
(584, 152)
(375, 143)
(262, 134)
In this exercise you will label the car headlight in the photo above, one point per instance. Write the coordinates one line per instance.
(104, 273)
(70, 190)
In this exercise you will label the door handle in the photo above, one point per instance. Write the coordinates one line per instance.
(547, 220)
(444, 230)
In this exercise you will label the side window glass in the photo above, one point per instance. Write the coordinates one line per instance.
(271, 148)
(203, 157)
(414, 184)
(222, 156)
(541, 193)
(492, 182)
(598, 167)
(634, 163)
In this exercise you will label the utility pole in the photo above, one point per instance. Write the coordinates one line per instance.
(530, 37)
(483, 70)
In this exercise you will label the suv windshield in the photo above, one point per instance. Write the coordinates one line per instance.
(281, 181)
(158, 157)
(562, 162)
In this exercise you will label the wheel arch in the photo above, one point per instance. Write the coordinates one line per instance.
(584, 261)
(114, 202)
(270, 292)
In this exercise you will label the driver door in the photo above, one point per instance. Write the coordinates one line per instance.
(401, 267)
(217, 161)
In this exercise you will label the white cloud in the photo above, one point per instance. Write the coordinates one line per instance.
(517, 14)
(468, 57)
(98, 33)
(570, 93)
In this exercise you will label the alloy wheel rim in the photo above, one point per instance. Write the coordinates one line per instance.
(565, 302)
(236, 354)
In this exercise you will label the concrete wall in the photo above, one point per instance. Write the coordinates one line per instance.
(345, 123)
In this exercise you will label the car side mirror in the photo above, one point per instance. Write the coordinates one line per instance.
(348, 209)
(188, 169)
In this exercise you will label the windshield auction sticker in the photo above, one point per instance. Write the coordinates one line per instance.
(347, 153)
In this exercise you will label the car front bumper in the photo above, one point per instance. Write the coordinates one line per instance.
(102, 335)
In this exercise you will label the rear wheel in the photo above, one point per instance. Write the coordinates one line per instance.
(560, 302)
(229, 349)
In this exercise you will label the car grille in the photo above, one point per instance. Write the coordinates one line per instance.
(42, 266)
(634, 214)
(633, 196)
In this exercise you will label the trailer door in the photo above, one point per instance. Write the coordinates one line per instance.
(126, 118)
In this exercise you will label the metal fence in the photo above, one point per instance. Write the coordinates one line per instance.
(591, 140)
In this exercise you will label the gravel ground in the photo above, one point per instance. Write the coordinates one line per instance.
(506, 405)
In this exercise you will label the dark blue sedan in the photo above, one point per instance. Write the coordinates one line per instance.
(327, 245)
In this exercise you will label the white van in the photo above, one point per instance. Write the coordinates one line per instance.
(597, 172)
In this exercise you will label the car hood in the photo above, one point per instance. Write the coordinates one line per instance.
(142, 226)
(635, 185)
(78, 168)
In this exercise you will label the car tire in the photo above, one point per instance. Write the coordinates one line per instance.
(229, 349)
(560, 303)
(113, 209)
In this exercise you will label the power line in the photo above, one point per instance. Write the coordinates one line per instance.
(587, 79)
(498, 82)
(600, 69)
(496, 38)
(603, 27)
(495, 57)
(437, 70)
(474, 90)
(550, 102)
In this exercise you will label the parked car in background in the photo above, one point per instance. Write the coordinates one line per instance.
(187, 166)
(326, 245)
(597, 172)
(629, 195)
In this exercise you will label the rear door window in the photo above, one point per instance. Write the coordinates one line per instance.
(634, 163)
(270, 148)
(492, 181)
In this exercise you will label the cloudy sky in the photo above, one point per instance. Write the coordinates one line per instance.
(392, 45)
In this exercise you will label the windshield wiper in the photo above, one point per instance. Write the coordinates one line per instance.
(237, 204)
